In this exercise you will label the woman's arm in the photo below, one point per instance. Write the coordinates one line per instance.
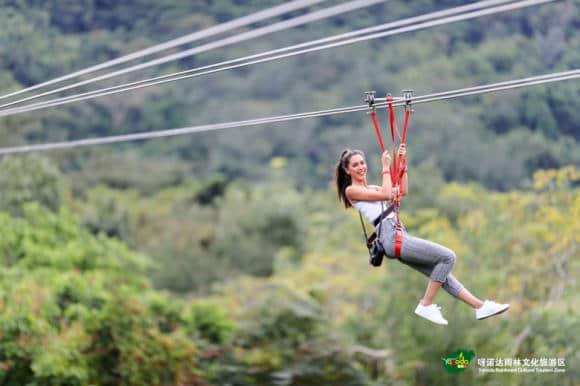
(405, 179)
(383, 192)
(404, 184)
(371, 193)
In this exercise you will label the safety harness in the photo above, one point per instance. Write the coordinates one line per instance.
(399, 164)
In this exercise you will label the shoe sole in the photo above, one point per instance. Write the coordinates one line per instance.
(432, 321)
(497, 313)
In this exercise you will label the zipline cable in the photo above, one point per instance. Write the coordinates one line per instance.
(180, 75)
(188, 74)
(174, 132)
(198, 35)
(493, 86)
(238, 38)
(536, 80)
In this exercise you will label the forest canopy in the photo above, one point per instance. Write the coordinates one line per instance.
(225, 258)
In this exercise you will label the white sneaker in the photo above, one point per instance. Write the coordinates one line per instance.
(431, 313)
(490, 308)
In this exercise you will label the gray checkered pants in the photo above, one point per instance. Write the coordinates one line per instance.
(431, 259)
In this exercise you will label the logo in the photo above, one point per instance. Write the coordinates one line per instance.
(458, 361)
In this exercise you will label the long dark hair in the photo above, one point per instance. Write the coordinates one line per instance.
(343, 180)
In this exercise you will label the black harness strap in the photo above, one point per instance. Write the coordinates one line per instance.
(369, 239)
(385, 213)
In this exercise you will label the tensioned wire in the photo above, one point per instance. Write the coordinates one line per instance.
(196, 72)
(500, 86)
(238, 38)
(181, 75)
(198, 35)
(494, 86)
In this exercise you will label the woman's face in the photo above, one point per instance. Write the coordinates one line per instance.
(357, 167)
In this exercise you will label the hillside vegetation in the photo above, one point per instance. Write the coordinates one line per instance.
(225, 258)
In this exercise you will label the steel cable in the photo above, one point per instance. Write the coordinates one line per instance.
(187, 74)
(541, 79)
(238, 38)
(198, 35)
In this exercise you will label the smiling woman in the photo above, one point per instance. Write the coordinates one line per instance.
(433, 260)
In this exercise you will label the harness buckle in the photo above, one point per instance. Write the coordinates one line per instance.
(370, 100)
(408, 96)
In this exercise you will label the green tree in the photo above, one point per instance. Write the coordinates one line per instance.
(77, 309)
(31, 178)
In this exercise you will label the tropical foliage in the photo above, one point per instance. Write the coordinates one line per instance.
(225, 258)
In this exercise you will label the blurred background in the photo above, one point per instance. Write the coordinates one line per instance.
(224, 258)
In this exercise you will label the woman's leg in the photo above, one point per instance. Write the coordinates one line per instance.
(451, 284)
(436, 262)
(430, 292)
(432, 259)
(440, 259)
(469, 298)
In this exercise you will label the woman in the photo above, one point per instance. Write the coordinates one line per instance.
(431, 259)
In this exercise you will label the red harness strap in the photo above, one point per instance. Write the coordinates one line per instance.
(399, 165)
(377, 129)
(397, 171)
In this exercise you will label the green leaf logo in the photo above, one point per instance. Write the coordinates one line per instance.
(458, 361)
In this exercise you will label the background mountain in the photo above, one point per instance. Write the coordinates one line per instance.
(498, 140)
(229, 249)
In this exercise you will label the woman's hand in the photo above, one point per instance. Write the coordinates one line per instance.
(386, 160)
(402, 150)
